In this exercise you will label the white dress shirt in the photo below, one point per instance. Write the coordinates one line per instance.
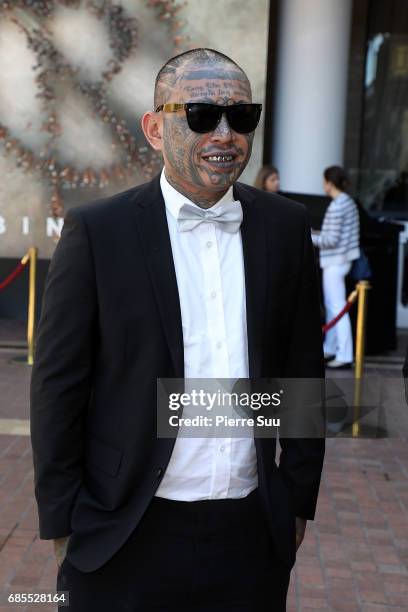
(209, 269)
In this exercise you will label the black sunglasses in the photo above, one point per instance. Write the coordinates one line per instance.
(203, 117)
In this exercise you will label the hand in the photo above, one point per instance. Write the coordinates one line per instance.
(60, 549)
(300, 531)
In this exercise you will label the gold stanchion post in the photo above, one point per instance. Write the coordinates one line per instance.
(30, 258)
(362, 289)
(32, 253)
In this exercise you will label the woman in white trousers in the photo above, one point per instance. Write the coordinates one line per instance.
(339, 245)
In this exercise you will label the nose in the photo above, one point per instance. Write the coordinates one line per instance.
(222, 132)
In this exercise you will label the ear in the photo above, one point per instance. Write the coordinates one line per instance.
(152, 126)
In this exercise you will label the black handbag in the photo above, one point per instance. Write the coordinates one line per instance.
(361, 269)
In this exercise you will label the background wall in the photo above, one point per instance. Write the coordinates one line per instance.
(59, 145)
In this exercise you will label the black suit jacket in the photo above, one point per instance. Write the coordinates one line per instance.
(111, 325)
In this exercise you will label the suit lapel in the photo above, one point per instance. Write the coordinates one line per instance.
(255, 265)
(150, 215)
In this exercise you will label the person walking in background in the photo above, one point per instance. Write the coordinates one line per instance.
(339, 244)
(268, 179)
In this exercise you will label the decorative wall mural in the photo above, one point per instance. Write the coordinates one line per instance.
(75, 78)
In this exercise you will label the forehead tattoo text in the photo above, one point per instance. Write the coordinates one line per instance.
(218, 81)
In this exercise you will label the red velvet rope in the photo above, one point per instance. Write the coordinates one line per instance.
(9, 279)
(333, 322)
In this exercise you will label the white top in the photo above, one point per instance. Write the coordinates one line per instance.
(209, 269)
(339, 239)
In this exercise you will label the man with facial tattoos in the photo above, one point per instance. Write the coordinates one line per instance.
(193, 275)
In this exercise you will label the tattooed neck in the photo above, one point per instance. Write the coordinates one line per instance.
(202, 200)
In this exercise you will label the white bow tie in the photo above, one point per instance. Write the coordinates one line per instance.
(228, 216)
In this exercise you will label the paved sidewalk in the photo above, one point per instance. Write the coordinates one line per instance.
(354, 557)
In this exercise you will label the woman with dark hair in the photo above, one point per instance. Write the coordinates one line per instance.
(268, 179)
(339, 244)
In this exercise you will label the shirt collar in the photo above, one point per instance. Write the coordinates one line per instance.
(174, 200)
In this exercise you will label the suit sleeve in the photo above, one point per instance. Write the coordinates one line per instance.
(301, 459)
(405, 374)
(61, 382)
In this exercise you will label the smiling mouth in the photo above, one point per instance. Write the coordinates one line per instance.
(219, 158)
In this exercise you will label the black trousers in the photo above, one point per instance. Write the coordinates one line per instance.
(204, 556)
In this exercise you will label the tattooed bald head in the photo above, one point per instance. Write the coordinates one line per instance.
(201, 166)
(179, 66)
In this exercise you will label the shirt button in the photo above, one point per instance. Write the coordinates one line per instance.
(209, 244)
(222, 448)
(159, 473)
(219, 345)
(213, 294)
